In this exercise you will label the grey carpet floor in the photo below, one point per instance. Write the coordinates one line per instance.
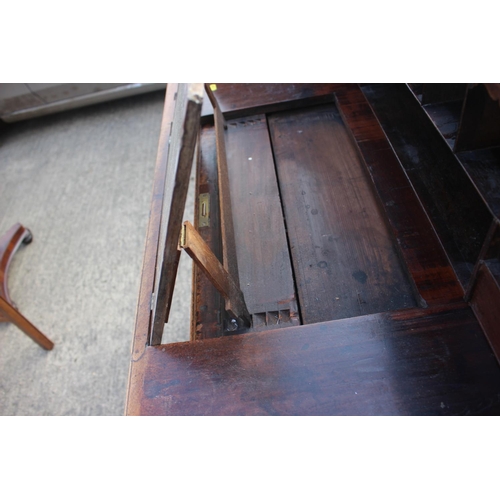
(81, 181)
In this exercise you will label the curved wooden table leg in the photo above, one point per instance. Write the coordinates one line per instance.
(9, 243)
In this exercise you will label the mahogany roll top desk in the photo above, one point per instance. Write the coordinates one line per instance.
(346, 242)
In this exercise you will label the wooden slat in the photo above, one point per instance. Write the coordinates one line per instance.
(229, 256)
(417, 362)
(143, 316)
(490, 251)
(485, 302)
(480, 121)
(264, 265)
(483, 167)
(443, 92)
(446, 117)
(424, 163)
(345, 260)
(245, 99)
(185, 129)
(200, 252)
(207, 303)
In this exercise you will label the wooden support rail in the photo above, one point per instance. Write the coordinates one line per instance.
(184, 133)
(200, 252)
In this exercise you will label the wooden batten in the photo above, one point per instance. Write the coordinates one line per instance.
(229, 257)
(183, 136)
(200, 252)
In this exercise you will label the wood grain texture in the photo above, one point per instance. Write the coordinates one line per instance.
(9, 244)
(485, 301)
(345, 260)
(207, 303)
(489, 252)
(483, 167)
(143, 315)
(480, 121)
(416, 362)
(185, 131)
(264, 266)
(229, 255)
(15, 317)
(245, 99)
(446, 118)
(451, 202)
(200, 252)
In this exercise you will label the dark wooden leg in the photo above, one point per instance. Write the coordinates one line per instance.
(9, 243)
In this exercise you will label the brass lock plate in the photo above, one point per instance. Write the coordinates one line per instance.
(204, 210)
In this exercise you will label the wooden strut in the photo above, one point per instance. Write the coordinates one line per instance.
(200, 252)
(229, 258)
(183, 138)
(9, 243)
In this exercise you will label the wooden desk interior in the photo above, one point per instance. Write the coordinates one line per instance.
(363, 296)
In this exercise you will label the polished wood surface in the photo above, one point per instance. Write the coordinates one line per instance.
(416, 362)
(143, 318)
(12, 315)
(429, 360)
(9, 244)
(245, 99)
(426, 261)
(183, 136)
(451, 201)
(264, 265)
(346, 263)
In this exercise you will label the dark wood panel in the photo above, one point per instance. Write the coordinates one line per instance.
(446, 118)
(417, 362)
(245, 99)
(485, 302)
(229, 255)
(456, 210)
(208, 305)
(426, 261)
(489, 252)
(480, 120)
(483, 167)
(183, 137)
(264, 266)
(344, 258)
(417, 89)
(443, 92)
(143, 315)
